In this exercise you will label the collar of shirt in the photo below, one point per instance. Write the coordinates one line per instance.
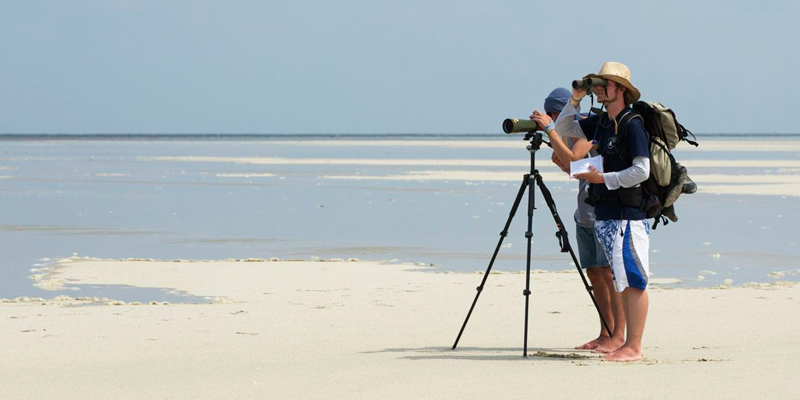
(621, 114)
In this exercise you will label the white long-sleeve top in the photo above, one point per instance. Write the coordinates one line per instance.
(629, 177)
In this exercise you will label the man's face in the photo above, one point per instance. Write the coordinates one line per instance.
(613, 90)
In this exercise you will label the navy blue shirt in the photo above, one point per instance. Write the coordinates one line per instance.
(636, 143)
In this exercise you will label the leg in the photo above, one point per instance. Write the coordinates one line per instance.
(618, 315)
(628, 242)
(601, 294)
(636, 305)
(592, 257)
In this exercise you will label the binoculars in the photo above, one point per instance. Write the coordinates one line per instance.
(588, 83)
(513, 125)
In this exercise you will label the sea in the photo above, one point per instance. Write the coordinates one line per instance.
(320, 197)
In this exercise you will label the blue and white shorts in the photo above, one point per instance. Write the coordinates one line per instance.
(627, 245)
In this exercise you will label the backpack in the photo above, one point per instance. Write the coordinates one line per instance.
(667, 176)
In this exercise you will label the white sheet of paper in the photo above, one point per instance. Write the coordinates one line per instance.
(582, 165)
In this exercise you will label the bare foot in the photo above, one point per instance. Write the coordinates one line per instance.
(625, 353)
(594, 343)
(609, 346)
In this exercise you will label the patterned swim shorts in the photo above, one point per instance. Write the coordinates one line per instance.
(626, 244)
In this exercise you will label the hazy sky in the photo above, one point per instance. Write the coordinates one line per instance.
(294, 66)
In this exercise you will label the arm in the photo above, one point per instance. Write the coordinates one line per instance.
(557, 161)
(580, 147)
(629, 177)
(566, 123)
(638, 141)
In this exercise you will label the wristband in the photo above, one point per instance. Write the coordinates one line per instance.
(549, 127)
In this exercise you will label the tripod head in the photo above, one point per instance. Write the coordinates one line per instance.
(535, 138)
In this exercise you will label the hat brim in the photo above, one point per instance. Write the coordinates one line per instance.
(636, 95)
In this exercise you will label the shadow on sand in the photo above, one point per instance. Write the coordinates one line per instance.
(488, 353)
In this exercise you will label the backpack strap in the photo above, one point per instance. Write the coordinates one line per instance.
(685, 136)
(622, 151)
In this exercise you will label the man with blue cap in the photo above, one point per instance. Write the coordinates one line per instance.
(592, 257)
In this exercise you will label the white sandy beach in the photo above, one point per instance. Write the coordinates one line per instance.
(740, 179)
(517, 142)
(738, 176)
(447, 162)
(373, 330)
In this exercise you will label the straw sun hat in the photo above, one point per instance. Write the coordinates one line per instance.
(620, 74)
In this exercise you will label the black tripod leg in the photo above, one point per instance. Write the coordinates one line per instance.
(528, 236)
(563, 239)
(503, 234)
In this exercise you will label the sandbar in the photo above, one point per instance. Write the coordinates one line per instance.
(357, 329)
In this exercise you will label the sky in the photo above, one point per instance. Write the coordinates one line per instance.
(444, 67)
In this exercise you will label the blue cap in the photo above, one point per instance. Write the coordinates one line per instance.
(557, 99)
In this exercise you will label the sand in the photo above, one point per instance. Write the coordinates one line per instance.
(343, 161)
(522, 165)
(338, 329)
(515, 141)
(731, 177)
(738, 181)
(734, 183)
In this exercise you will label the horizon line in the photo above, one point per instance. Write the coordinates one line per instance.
(41, 134)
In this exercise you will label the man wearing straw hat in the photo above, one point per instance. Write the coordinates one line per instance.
(620, 225)
(592, 256)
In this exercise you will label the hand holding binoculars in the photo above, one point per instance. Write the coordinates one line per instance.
(513, 125)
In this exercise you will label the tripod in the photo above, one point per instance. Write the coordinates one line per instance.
(563, 241)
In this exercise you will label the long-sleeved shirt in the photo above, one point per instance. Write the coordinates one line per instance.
(567, 125)
(626, 160)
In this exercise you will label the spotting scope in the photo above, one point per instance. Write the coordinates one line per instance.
(513, 125)
(588, 83)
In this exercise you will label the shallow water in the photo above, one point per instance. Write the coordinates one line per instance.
(110, 199)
